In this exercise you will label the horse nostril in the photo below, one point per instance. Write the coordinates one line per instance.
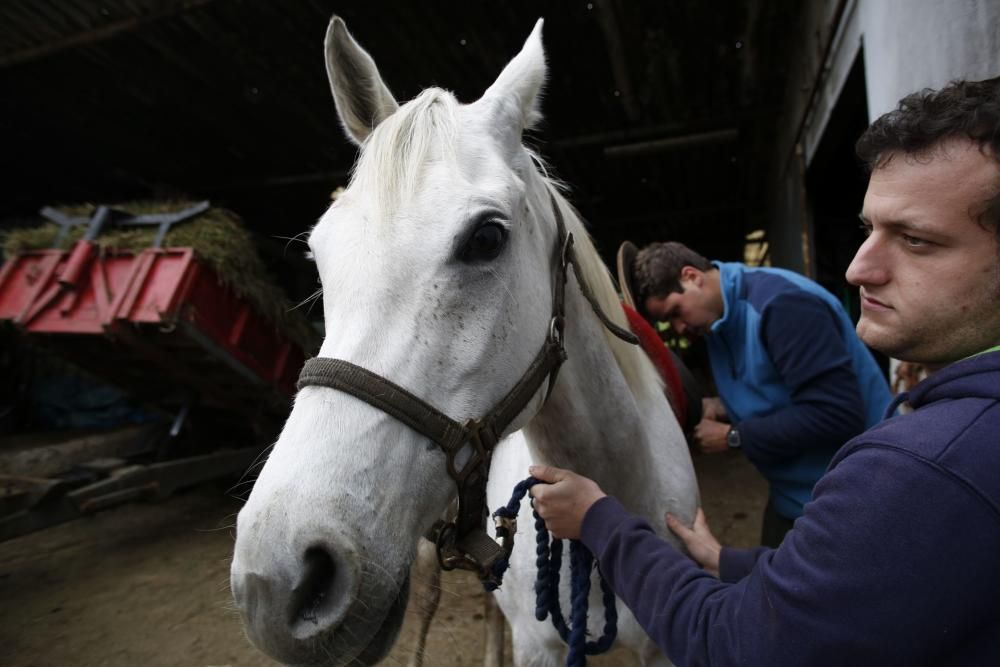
(312, 596)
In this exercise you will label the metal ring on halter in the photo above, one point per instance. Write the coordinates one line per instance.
(555, 330)
(445, 541)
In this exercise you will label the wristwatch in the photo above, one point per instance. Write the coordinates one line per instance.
(733, 438)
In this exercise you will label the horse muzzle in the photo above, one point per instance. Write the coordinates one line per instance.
(322, 602)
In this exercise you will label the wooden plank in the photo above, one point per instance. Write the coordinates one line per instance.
(50, 459)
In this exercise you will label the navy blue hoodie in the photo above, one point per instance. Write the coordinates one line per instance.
(894, 562)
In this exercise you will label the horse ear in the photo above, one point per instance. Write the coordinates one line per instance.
(363, 100)
(521, 81)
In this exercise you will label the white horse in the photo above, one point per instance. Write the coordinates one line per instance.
(437, 268)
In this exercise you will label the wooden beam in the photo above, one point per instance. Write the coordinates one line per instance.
(672, 143)
(646, 132)
(619, 65)
(97, 34)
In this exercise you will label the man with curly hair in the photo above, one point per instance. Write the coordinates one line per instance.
(893, 561)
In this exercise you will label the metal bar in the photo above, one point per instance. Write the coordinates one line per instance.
(34, 308)
(49, 263)
(171, 217)
(672, 143)
(220, 353)
(6, 270)
(175, 428)
(102, 293)
(64, 221)
(100, 218)
(135, 284)
(646, 132)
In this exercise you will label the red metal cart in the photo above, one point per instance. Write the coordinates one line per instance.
(161, 325)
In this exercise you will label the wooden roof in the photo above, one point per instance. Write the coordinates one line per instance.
(655, 111)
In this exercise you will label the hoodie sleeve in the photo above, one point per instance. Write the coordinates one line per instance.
(872, 574)
(734, 564)
(804, 340)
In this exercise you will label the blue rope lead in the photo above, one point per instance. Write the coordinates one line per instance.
(548, 559)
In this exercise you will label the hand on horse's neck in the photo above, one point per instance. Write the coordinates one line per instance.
(592, 423)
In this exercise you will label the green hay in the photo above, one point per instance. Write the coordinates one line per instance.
(219, 239)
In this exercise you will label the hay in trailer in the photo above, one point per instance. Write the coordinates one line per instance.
(219, 239)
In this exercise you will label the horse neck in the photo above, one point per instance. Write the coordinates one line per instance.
(596, 424)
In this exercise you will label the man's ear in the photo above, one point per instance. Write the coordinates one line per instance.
(693, 275)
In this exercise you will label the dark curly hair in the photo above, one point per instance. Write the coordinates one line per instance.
(962, 109)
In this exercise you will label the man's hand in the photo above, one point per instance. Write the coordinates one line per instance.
(564, 501)
(700, 542)
(710, 436)
(712, 408)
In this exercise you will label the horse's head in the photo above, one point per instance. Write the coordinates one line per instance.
(437, 270)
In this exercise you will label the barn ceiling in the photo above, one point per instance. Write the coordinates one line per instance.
(657, 112)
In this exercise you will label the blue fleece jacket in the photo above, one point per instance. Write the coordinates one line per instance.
(794, 377)
(892, 563)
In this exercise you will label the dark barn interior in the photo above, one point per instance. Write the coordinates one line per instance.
(658, 115)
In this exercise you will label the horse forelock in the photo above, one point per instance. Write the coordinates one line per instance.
(394, 155)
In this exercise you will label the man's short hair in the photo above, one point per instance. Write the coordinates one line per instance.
(658, 267)
(962, 109)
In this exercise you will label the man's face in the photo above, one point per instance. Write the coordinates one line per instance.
(929, 273)
(691, 312)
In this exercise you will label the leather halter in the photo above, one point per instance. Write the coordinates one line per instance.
(469, 446)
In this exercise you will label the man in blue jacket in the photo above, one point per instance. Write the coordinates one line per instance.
(795, 382)
(894, 560)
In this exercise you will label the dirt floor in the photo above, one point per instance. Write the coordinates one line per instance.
(149, 584)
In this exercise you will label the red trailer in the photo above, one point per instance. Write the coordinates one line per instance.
(161, 325)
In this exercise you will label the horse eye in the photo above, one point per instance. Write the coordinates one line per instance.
(485, 243)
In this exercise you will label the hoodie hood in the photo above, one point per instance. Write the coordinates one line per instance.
(975, 377)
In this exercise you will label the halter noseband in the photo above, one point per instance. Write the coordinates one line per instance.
(469, 446)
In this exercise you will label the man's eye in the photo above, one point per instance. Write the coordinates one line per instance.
(914, 242)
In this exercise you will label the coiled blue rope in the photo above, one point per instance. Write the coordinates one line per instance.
(548, 559)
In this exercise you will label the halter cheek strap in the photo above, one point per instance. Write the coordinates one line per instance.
(468, 445)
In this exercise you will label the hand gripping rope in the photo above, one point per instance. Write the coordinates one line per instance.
(548, 560)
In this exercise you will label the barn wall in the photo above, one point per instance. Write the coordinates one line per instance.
(908, 45)
(789, 229)
(915, 44)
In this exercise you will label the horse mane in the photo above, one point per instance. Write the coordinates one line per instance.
(639, 372)
(392, 156)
